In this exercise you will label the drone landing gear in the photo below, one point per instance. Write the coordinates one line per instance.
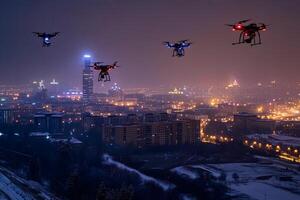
(175, 53)
(238, 43)
(104, 77)
(179, 54)
(107, 78)
(259, 40)
(241, 39)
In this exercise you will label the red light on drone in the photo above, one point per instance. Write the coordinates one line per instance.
(239, 26)
(233, 29)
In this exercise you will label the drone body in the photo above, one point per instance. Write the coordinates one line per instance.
(249, 32)
(178, 47)
(46, 37)
(104, 70)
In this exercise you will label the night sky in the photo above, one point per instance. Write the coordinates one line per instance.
(132, 31)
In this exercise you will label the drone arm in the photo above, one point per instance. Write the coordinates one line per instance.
(185, 45)
(242, 37)
(169, 45)
(259, 38)
(96, 65)
(183, 51)
(53, 34)
(38, 34)
(111, 67)
(100, 77)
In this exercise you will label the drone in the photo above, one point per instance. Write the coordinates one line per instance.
(46, 37)
(178, 47)
(249, 32)
(104, 69)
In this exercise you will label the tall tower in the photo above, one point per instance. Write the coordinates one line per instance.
(87, 80)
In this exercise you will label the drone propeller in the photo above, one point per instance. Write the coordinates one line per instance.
(168, 44)
(244, 21)
(97, 63)
(53, 34)
(239, 22)
(263, 26)
(182, 41)
(38, 34)
(115, 64)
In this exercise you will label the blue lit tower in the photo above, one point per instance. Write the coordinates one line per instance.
(87, 80)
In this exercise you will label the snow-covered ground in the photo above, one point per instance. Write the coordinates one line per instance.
(263, 191)
(213, 172)
(188, 197)
(190, 172)
(13, 187)
(3, 196)
(269, 180)
(260, 181)
(11, 190)
(184, 171)
(107, 159)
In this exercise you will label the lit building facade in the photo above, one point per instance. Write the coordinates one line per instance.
(48, 122)
(87, 80)
(151, 131)
(6, 116)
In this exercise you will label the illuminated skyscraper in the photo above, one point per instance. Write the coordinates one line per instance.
(87, 80)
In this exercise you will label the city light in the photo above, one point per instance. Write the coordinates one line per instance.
(176, 91)
(234, 84)
(214, 102)
(54, 82)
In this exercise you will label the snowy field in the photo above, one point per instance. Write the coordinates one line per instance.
(262, 181)
(184, 171)
(13, 187)
(259, 181)
(108, 160)
(11, 190)
(3, 196)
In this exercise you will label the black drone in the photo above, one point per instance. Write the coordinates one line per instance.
(178, 47)
(104, 70)
(248, 32)
(46, 37)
